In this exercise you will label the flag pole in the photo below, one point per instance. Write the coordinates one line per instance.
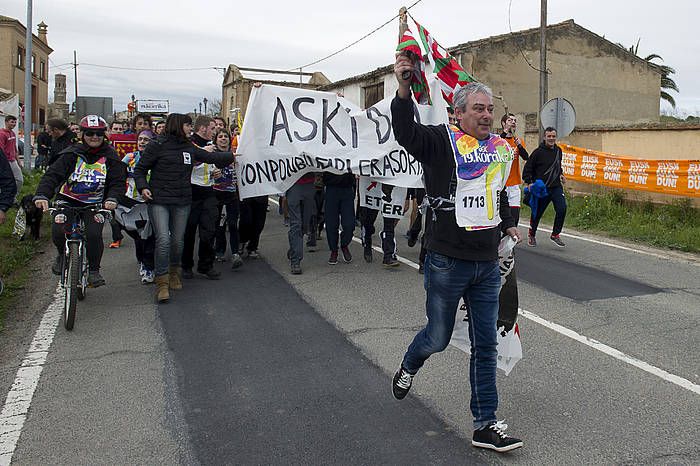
(403, 27)
(403, 21)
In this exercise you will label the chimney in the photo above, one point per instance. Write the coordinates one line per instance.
(42, 32)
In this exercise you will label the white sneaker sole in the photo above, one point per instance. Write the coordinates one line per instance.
(493, 447)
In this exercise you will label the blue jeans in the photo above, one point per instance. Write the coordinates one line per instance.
(169, 222)
(446, 281)
(556, 197)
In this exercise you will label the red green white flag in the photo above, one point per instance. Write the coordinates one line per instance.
(449, 73)
(419, 85)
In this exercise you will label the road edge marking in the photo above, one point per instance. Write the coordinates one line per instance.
(610, 351)
(19, 398)
(672, 255)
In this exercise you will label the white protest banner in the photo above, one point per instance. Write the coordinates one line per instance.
(372, 197)
(288, 132)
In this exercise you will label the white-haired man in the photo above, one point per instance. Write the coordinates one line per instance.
(465, 169)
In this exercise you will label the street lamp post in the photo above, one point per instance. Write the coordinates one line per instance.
(28, 91)
(200, 108)
(205, 105)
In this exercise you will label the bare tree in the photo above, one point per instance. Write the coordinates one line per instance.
(215, 107)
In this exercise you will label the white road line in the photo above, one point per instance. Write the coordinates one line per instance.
(19, 398)
(646, 367)
(612, 245)
(603, 348)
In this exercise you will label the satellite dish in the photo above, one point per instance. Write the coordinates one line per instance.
(560, 114)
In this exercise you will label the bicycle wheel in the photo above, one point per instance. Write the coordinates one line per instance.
(72, 284)
(83, 282)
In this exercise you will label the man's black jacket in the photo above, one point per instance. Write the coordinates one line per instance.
(431, 146)
(544, 164)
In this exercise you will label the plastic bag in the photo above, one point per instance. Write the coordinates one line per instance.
(20, 223)
(510, 349)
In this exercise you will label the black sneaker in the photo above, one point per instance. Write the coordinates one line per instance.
(421, 269)
(333, 259)
(57, 266)
(401, 383)
(211, 274)
(187, 273)
(494, 437)
(557, 240)
(296, 269)
(347, 257)
(95, 279)
(390, 261)
(367, 254)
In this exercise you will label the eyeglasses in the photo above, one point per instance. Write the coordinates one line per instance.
(91, 133)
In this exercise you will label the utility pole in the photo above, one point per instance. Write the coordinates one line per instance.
(28, 91)
(75, 78)
(543, 63)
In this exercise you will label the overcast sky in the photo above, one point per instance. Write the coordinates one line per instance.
(285, 35)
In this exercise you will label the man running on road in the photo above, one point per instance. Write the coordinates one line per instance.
(465, 169)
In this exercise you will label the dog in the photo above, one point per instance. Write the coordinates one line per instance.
(33, 215)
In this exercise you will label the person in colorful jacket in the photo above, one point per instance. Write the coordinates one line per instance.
(145, 248)
(465, 168)
(87, 173)
(226, 189)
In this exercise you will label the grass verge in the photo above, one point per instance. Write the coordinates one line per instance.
(606, 212)
(16, 255)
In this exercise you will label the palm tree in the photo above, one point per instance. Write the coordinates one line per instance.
(667, 83)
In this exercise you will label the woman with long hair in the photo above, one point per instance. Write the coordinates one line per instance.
(170, 159)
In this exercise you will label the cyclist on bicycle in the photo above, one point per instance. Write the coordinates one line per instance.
(87, 173)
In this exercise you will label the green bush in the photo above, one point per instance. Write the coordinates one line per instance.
(16, 255)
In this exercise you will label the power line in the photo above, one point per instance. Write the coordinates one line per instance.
(510, 3)
(127, 68)
(358, 40)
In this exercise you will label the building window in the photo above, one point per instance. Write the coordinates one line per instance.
(373, 94)
(42, 70)
(34, 65)
(20, 57)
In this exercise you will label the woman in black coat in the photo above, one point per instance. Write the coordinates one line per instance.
(162, 177)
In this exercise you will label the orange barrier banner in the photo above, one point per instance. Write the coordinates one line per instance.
(679, 177)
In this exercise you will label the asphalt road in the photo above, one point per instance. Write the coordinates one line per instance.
(264, 367)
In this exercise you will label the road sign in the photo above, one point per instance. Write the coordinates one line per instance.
(560, 114)
(153, 106)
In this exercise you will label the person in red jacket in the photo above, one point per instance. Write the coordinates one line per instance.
(8, 144)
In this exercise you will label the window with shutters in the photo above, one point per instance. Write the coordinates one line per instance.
(373, 94)
(20, 57)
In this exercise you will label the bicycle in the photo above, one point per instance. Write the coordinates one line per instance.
(74, 266)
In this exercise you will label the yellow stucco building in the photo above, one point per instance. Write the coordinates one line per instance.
(12, 65)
